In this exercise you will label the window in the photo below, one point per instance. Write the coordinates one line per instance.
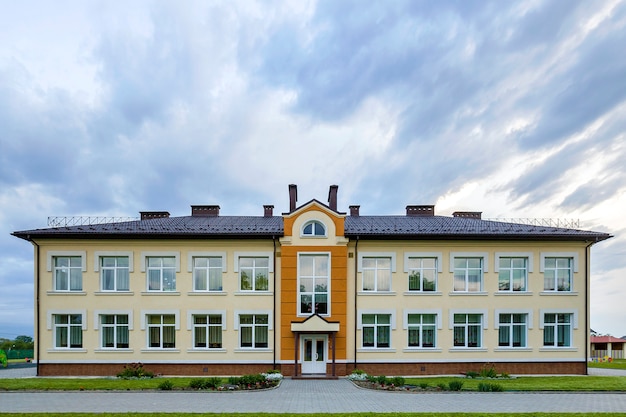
(207, 331)
(512, 330)
(557, 274)
(114, 273)
(161, 273)
(468, 330)
(376, 274)
(114, 331)
(253, 331)
(207, 274)
(512, 274)
(557, 329)
(254, 273)
(422, 274)
(313, 278)
(313, 228)
(161, 331)
(68, 273)
(422, 330)
(376, 330)
(68, 331)
(468, 274)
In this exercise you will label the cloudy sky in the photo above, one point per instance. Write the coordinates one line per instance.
(516, 109)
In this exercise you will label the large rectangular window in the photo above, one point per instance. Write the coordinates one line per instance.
(376, 274)
(468, 274)
(68, 273)
(114, 273)
(422, 274)
(557, 330)
(161, 273)
(512, 274)
(114, 331)
(468, 330)
(422, 330)
(557, 274)
(207, 331)
(513, 330)
(253, 331)
(376, 330)
(68, 331)
(161, 331)
(314, 279)
(253, 273)
(207, 274)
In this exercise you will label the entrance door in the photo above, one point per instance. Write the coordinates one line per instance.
(313, 354)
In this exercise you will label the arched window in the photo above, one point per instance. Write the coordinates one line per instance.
(314, 228)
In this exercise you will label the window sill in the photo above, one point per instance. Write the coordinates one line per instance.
(508, 293)
(194, 293)
(160, 293)
(158, 350)
(254, 293)
(422, 293)
(471, 293)
(68, 350)
(468, 349)
(66, 293)
(107, 293)
(561, 293)
(376, 293)
(422, 350)
(373, 349)
(207, 350)
(124, 350)
(513, 349)
(558, 349)
(252, 350)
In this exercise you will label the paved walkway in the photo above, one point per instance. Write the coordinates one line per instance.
(308, 396)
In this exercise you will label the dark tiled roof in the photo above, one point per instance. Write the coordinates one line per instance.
(365, 227)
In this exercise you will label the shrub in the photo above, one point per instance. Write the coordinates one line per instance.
(455, 385)
(234, 380)
(382, 380)
(166, 385)
(488, 372)
(488, 387)
(198, 383)
(398, 381)
(253, 379)
(442, 386)
(505, 375)
(135, 370)
(273, 376)
(213, 382)
(358, 375)
(372, 379)
(471, 374)
(423, 385)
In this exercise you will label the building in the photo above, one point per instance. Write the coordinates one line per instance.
(604, 347)
(314, 291)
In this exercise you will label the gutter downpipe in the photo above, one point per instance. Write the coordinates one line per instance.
(587, 295)
(274, 297)
(37, 301)
(356, 279)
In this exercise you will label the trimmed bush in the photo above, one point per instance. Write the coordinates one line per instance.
(135, 371)
(382, 380)
(488, 387)
(455, 385)
(398, 381)
(166, 385)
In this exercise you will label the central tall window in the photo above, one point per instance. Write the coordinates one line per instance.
(313, 280)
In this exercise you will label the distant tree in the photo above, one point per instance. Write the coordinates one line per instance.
(20, 343)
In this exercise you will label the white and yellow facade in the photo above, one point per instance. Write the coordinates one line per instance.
(311, 292)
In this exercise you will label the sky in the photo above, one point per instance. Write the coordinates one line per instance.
(515, 109)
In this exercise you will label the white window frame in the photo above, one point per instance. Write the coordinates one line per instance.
(160, 254)
(528, 256)
(270, 268)
(528, 326)
(484, 326)
(98, 326)
(377, 255)
(314, 223)
(314, 293)
(573, 326)
(98, 255)
(268, 313)
(145, 327)
(52, 326)
(392, 324)
(483, 256)
(191, 257)
(438, 326)
(424, 255)
(191, 326)
(50, 267)
(573, 256)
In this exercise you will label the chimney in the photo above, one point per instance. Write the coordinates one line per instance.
(147, 215)
(205, 211)
(468, 214)
(420, 211)
(293, 197)
(354, 211)
(268, 211)
(332, 197)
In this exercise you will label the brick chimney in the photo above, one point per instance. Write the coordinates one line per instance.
(268, 211)
(293, 197)
(205, 211)
(468, 214)
(420, 211)
(147, 215)
(332, 197)
(354, 211)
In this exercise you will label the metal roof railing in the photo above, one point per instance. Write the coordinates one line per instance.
(545, 222)
(65, 221)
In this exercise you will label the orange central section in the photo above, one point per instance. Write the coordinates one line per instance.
(289, 295)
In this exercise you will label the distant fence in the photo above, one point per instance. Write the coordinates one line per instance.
(615, 354)
(20, 354)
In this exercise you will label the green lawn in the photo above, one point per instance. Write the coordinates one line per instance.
(330, 414)
(615, 364)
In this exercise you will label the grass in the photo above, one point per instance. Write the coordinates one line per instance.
(536, 383)
(329, 414)
(615, 364)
